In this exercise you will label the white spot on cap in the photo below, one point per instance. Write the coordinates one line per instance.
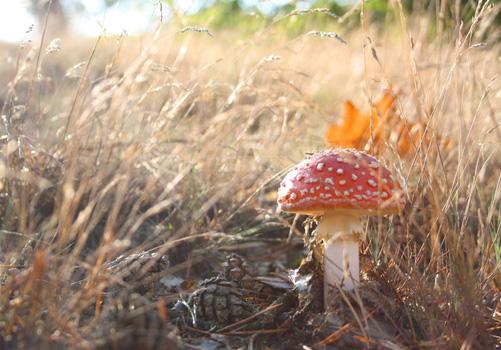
(356, 166)
(300, 177)
(354, 177)
(320, 166)
(360, 188)
(329, 180)
(372, 183)
(327, 188)
(293, 196)
(346, 193)
(342, 182)
(312, 190)
(368, 192)
(385, 181)
(303, 192)
(311, 180)
(337, 193)
(384, 195)
(330, 168)
(340, 171)
(373, 165)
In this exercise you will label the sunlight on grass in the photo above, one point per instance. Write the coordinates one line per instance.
(131, 166)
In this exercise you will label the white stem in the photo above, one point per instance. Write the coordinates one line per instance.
(341, 264)
(340, 233)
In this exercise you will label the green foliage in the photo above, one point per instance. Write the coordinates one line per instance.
(378, 9)
(229, 14)
(233, 14)
(331, 5)
(109, 2)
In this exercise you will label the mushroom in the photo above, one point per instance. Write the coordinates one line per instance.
(340, 185)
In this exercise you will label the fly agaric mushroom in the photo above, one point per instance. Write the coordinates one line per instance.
(340, 185)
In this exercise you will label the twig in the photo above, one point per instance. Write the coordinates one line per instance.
(245, 320)
(198, 330)
(80, 87)
(249, 332)
(323, 35)
(196, 29)
(324, 10)
(39, 53)
(335, 336)
(259, 331)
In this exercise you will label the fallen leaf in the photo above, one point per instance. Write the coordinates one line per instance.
(381, 127)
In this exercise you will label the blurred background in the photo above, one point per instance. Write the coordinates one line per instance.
(22, 19)
(144, 141)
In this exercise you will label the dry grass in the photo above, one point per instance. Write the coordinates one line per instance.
(170, 142)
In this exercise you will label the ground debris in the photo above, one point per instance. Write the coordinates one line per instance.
(235, 295)
(237, 305)
(136, 323)
(140, 272)
(28, 175)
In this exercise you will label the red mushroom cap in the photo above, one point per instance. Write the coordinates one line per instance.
(340, 180)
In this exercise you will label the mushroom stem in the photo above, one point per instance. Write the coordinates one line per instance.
(340, 232)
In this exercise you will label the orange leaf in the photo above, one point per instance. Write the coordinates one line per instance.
(380, 127)
(386, 104)
(355, 127)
